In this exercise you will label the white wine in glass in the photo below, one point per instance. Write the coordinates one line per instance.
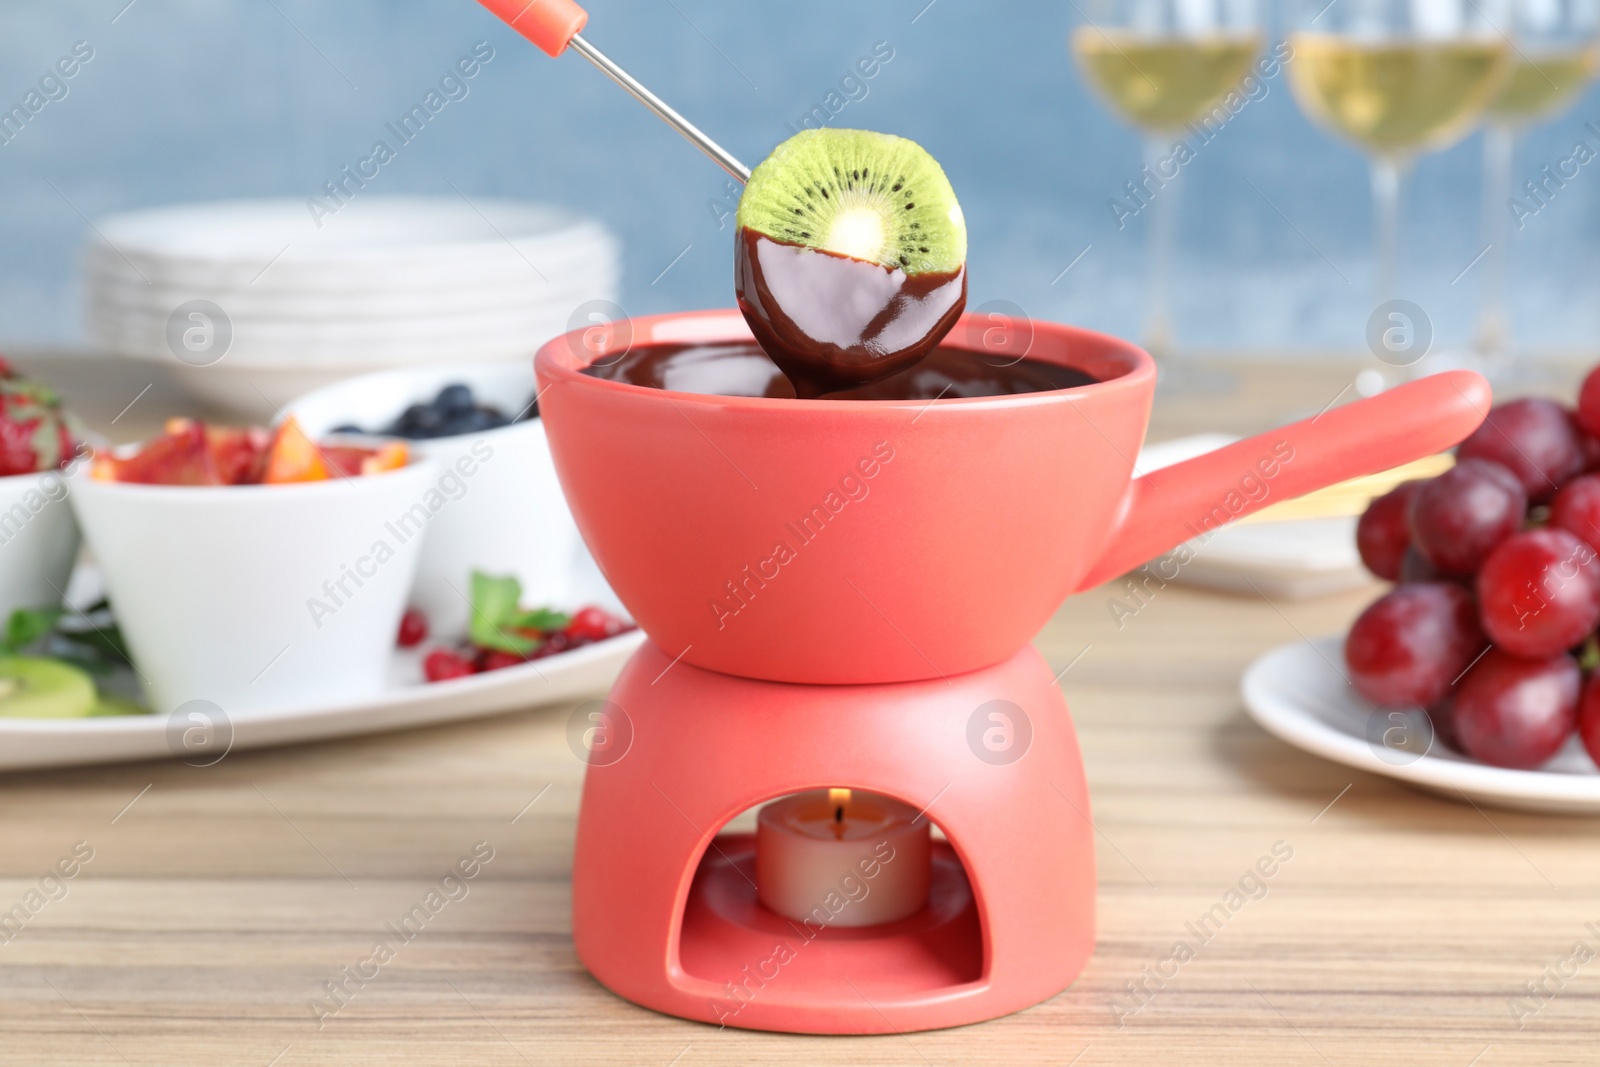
(1398, 78)
(1160, 67)
(1161, 84)
(1557, 55)
(1401, 97)
(1544, 82)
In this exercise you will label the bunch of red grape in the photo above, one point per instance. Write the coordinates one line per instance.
(1492, 627)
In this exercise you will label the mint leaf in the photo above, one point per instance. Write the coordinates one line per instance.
(28, 625)
(545, 620)
(495, 615)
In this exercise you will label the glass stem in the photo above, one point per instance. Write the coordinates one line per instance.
(1387, 173)
(1494, 333)
(1162, 192)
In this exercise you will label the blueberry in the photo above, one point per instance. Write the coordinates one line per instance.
(471, 421)
(454, 398)
(423, 420)
(348, 427)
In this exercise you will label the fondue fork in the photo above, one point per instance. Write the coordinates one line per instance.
(554, 24)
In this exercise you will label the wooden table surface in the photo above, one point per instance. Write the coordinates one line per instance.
(218, 900)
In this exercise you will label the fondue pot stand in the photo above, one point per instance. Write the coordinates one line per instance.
(841, 594)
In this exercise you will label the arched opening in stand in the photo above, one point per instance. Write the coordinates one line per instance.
(728, 937)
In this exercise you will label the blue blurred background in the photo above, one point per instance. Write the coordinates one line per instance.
(208, 99)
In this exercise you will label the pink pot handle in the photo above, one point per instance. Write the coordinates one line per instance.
(1165, 508)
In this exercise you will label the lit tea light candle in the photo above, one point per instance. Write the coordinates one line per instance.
(841, 858)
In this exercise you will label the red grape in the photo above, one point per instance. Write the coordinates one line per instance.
(1383, 534)
(1539, 593)
(1589, 717)
(1414, 567)
(1457, 518)
(1535, 439)
(1588, 414)
(1591, 450)
(1576, 508)
(1409, 645)
(1443, 718)
(1517, 712)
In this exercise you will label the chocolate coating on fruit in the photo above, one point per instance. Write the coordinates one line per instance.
(850, 257)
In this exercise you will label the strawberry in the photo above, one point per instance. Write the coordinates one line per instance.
(36, 434)
(180, 456)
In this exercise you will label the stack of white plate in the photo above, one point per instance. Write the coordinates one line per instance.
(251, 303)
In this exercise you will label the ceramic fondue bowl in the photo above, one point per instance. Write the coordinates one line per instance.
(841, 541)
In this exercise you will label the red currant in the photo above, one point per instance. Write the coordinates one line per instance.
(413, 628)
(1517, 712)
(443, 665)
(494, 659)
(555, 644)
(594, 624)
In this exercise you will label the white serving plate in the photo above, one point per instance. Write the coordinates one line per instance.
(1299, 559)
(410, 701)
(1299, 693)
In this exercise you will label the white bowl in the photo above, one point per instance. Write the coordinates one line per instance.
(386, 282)
(505, 294)
(510, 518)
(143, 332)
(38, 541)
(248, 596)
(374, 241)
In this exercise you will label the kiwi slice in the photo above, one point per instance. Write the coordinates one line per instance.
(35, 688)
(109, 707)
(870, 196)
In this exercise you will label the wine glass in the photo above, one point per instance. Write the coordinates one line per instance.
(1399, 78)
(1165, 66)
(1557, 53)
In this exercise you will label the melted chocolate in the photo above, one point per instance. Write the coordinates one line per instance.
(737, 368)
(832, 322)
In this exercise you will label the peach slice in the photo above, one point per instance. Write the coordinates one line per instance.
(390, 456)
(294, 457)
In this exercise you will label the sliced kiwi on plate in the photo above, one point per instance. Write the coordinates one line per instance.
(870, 196)
(33, 687)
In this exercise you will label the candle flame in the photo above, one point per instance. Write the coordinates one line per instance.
(838, 798)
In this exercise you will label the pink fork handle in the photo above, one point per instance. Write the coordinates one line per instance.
(550, 24)
(1165, 508)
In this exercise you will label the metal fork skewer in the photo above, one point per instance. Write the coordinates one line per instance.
(689, 130)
